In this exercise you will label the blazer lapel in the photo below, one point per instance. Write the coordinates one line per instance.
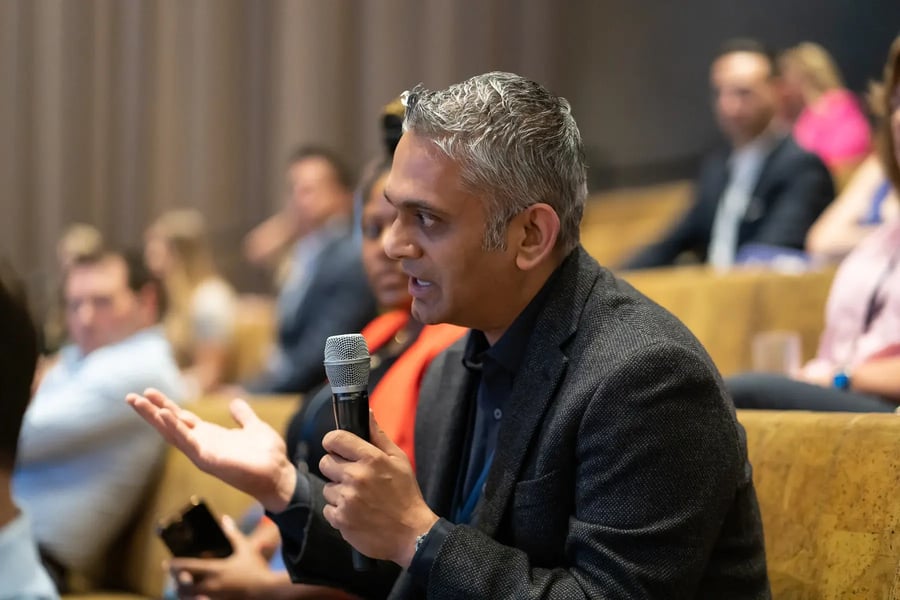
(439, 446)
(534, 387)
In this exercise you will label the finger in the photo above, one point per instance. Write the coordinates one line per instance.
(381, 440)
(232, 532)
(159, 399)
(151, 413)
(162, 401)
(348, 445)
(329, 512)
(331, 493)
(179, 435)
(332, 467)
(242, 413)
(191, 570)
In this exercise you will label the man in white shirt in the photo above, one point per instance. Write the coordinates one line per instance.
(763, 190)
(21, 573)
(84, 460)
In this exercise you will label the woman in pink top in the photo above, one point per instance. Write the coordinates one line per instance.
(830, 122)
(857, 367)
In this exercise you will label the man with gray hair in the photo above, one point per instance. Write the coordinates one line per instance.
(578, 444)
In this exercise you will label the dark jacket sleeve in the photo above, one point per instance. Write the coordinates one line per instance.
(803, 190)
(692, 231)
(315, 553)
(658, 462)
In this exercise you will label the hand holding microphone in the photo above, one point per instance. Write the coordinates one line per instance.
(373, 498)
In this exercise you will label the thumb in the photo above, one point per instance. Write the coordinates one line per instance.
(242, 413)
(231, 531)
(380, 439)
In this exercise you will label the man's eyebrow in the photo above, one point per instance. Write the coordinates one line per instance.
(413, 204)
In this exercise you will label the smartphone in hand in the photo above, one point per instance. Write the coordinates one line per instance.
(194, 532)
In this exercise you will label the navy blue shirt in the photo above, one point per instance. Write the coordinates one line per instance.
(492, 370)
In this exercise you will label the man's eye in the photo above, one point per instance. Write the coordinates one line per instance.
(425, 219)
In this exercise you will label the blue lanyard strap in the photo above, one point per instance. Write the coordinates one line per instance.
(464, 514)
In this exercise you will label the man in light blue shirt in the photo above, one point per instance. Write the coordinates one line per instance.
(21, 573)
(84, 461)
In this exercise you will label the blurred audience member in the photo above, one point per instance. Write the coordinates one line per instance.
(866, 202)
(84, 459)
(830, 122)
(402, 348)
(857, 367)
(764, 189)
(325, 292)
(21, 572)
(77, 240)
(200, 319)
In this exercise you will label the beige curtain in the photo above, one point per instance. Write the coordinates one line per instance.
(112, 111)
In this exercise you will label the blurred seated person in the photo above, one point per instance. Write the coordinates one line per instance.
(21, 573)
(830, 121)
(857, 367)
(866, 202)
(78, 239)
(200, 318)
(402, 348)
(763, 189)
(84, 462)
(325, 292)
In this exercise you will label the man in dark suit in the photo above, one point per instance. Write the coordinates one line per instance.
(326, 291)
(578, 444)
(764, 189)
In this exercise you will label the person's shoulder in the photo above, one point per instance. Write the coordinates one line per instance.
(143, 360)
(788, 154)
(619, 321)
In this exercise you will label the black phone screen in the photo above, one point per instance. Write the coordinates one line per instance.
(195, 533)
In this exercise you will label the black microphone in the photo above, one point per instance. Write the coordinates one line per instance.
(347, 366)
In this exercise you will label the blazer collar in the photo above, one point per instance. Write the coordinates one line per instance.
(535, 385)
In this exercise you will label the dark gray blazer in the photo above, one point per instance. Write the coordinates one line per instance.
(621, 473)
(793, 189)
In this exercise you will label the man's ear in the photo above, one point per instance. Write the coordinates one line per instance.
(538, 228)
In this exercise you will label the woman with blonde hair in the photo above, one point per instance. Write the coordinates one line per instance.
(200, 318)
(829, 119)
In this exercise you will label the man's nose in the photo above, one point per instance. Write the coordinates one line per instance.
(397, 244)
(85, 313)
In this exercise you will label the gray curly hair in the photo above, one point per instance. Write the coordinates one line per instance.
(515, 142)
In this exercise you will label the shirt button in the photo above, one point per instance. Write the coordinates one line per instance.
(497, 414)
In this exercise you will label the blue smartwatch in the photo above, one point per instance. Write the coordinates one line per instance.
(841, 380)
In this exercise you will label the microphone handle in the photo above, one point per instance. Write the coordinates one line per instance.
(351, 413)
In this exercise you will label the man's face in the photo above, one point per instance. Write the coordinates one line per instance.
(438, 237)
(314, 193)
(744, 94)
(100, 307)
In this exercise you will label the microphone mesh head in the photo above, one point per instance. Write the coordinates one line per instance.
(347, 360)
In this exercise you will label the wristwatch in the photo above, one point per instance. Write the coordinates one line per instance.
(841, 380)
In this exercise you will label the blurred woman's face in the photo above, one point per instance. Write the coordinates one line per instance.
(388, 282)
(157, 254)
